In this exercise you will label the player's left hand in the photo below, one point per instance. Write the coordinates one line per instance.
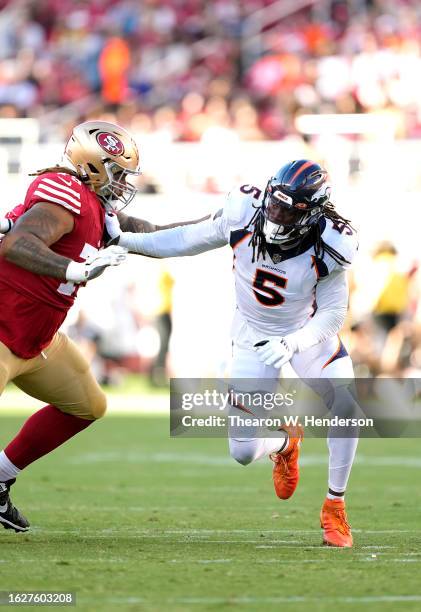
(275, 351)
(113, 228)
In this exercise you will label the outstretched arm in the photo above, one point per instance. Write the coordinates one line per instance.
(186, 239)
(135, 225)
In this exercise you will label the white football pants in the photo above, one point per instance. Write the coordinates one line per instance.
(321, 361)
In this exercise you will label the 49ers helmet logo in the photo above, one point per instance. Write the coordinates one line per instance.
(110, 143)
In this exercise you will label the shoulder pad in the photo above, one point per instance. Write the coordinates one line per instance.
(241, 204)
(343, 238)
(60, 188)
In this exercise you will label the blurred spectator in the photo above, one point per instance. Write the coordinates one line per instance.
(392, 285)
(114, 62)
(158, 372)
(362, 346)
(387, 340)
(87, 335)
(117, 344)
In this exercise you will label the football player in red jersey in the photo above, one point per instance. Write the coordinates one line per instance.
(54, 246)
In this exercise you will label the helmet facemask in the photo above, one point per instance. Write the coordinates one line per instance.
(117, 193)
(286, 221)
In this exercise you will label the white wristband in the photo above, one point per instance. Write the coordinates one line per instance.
(76, 272)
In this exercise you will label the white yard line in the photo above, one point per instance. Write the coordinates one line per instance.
(298, 599)
(198, 459)
(382, 553)
(378, 547)
(80, 560)
(200, 536)
(257, 600)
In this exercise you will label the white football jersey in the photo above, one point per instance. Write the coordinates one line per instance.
(277, 296)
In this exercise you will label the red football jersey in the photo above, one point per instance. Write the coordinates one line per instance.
(33, 307)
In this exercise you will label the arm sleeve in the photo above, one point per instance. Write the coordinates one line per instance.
(179, 241)
(332, 306)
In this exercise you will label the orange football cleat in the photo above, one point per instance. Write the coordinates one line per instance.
(286, 472)
(334, 522)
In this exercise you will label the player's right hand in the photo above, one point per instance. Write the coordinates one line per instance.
(5, 225)
(95, 265)
(275, 351)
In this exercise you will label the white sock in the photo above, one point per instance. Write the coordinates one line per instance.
(8, 471)
(331, 495)
(273, 445)
(341, 457)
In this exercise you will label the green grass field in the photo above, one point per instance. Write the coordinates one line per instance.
(130, 519)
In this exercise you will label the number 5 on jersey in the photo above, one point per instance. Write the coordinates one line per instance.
(264, 288)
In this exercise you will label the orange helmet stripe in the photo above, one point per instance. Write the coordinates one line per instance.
(301, 169)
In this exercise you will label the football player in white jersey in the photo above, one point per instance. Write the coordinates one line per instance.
(291, 252)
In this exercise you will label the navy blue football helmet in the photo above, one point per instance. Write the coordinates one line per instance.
(294, 200)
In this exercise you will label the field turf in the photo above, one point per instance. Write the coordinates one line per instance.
(130, 519)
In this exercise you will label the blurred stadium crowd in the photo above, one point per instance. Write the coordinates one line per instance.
(185, 66)
(386, 339)
(188, 71)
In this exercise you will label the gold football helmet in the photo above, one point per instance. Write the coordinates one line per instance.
(104, 154)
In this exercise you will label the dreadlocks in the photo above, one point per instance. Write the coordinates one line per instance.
(259, 245)
(257, 240)
(56, 168)
(320, 246)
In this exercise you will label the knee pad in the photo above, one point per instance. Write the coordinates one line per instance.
(243, 451)
(91, 408)
(98, 405)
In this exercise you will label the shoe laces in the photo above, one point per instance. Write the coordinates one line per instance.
(279, 458)
(341, 517)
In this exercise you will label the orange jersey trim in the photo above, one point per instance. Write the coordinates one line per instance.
(334, 354)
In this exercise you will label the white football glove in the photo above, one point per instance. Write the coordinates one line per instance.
(95, 264)
(5, 225)
(113, 227)
(275, 351)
